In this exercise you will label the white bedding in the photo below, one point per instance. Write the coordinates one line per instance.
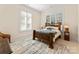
(58, 33)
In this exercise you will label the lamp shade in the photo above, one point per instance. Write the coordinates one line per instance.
(66, 28)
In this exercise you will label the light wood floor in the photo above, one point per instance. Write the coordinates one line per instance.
(29, 46)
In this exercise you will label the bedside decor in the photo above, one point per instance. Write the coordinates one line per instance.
(66, 33)
(42, 26)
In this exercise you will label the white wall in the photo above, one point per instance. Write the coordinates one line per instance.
(78, 22)
(51, 11)
(10, 18)
(70, 18)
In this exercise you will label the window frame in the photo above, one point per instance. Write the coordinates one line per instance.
(31, 25)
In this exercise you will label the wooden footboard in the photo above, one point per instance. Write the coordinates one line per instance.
(33, 34)
(46, 37)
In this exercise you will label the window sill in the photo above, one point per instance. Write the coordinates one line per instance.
(25, 30)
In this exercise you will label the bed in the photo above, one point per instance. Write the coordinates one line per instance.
(49, 34)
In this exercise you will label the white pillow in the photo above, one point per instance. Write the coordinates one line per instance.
(52, 27)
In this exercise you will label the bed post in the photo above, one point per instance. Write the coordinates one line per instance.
(51, 41)
(59, 25)
(33, 34)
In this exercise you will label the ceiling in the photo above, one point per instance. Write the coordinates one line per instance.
(40, 7)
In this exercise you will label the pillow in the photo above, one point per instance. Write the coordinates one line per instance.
(49, 28)
(52, 27)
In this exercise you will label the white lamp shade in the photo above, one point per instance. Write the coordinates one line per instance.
(66, 26)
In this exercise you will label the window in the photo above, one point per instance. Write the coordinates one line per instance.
(26, 21)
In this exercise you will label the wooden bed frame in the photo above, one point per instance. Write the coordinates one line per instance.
(46, 37)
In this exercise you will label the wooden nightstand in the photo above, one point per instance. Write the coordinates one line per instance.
(67, 34)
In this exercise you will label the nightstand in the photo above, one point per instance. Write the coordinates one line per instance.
(66, 34)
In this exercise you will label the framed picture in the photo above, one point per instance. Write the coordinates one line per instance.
(48, 19)
(59, 17)
(52, 19)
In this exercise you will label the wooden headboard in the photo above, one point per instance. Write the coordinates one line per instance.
(55, 25)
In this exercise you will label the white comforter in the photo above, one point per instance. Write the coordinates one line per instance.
(58, 33)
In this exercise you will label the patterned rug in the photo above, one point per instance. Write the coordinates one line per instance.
(29, 46)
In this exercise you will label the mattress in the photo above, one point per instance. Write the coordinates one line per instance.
(46, 31)
(58, 33)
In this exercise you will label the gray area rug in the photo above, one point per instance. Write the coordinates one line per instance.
(29, 46)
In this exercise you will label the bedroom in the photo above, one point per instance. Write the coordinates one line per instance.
(12, 21)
